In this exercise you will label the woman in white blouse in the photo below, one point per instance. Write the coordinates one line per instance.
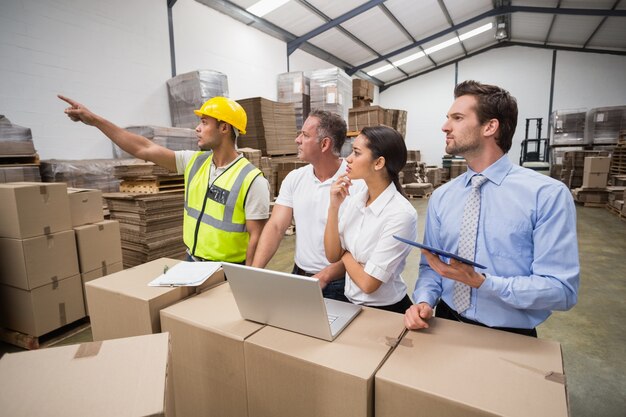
(363, 237)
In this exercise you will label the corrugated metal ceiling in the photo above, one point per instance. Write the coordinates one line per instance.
(362, 36)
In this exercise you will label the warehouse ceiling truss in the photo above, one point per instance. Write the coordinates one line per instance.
(391, 41)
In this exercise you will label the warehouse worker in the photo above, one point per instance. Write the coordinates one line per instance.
(521, 226)
(304, 196)
(226, 197)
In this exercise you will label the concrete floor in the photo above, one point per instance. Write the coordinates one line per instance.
(592, 334)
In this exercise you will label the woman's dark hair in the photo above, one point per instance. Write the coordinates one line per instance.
(388, 143)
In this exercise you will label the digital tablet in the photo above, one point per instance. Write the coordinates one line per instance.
(440, 252)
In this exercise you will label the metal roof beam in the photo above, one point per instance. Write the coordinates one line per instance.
(295, 44)
(558, 5)
(599, 25)
(492, 13)
(247, 18)
(445, 12)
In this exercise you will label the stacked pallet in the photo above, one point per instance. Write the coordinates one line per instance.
(271, 126)
(331, 90)
(151, 225)
(174, 138)
(618, 162)
(573, 166)
(150, 212)
(295, 88)
(18, 159)
(147, 178)
(187, 92)
(615, 202)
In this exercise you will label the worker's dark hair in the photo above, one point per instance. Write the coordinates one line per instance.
(388, 143)
(493, 103)
(331, 125)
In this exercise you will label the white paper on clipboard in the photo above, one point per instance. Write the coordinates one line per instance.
(186, 274)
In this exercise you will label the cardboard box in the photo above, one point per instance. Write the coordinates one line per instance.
(98, 273)
(597, 164)
(29, 209)
(99, 245)
(207, 334)
(595, 179)
(457, 369)
(43, 309)
(289, 374)
(124, 377)
(85, 206)
(123, 305)
(36, 261)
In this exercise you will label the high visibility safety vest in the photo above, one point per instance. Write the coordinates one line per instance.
(214, 225)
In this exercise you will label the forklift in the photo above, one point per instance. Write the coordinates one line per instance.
(534, 154)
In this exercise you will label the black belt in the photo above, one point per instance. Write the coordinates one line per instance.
(444, 311)
(299, 271)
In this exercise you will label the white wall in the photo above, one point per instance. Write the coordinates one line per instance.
(582, 80)
(113, 56)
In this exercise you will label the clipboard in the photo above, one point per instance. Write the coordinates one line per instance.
(440, 252)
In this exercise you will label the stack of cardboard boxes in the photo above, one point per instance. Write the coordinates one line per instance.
(594, 182)
(362, 93)
(52, 241)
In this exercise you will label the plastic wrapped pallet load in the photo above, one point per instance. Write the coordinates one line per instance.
(331, 90)
(295, 88)
(174, 138)
(187, 92)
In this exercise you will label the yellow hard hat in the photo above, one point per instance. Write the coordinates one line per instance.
(225, 110)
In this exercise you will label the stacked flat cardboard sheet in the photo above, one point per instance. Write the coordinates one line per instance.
(252, 155)
(295, 88)
(151, 225)
(18, 160)
(271, 126)
(147, 178)
(331, 90)
(174, 138)
(187, 92)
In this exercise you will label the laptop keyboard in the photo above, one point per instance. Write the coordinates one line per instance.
(332, 318)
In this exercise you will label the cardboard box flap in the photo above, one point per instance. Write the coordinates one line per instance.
(122, 377)
(367, 339)
(213, 310)
(465, 367)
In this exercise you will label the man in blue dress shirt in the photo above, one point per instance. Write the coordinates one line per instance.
(526, 235)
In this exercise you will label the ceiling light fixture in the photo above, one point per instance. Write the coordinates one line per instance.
(435, 48)
(501, 32)
(263, 7)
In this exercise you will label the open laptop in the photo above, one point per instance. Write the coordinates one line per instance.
(287, 301)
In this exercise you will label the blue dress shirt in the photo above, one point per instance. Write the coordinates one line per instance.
(526, 238)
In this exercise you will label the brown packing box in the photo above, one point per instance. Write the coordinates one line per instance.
(43, 309)
(123, 305)
(85, 206)
(98, 245)
(37, 261)
(208, 354)
(103, 271)
(457, 369)
(289, 374)
(124, 377)
(30, 209)
(595, 179)
(597, 164)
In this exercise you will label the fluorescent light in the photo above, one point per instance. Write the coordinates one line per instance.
(442, 45)
(477, 31)
(263, 7)
(409, 58)
(381, 69)
(432, 49)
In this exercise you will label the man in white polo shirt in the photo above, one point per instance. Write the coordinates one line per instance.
(304, 196)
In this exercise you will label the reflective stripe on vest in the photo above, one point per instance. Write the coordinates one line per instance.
(214, 218)
(227, 223)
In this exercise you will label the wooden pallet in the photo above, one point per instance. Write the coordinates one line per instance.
(612, 209)
(29, 342)
(153, 186)
(596, 205)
